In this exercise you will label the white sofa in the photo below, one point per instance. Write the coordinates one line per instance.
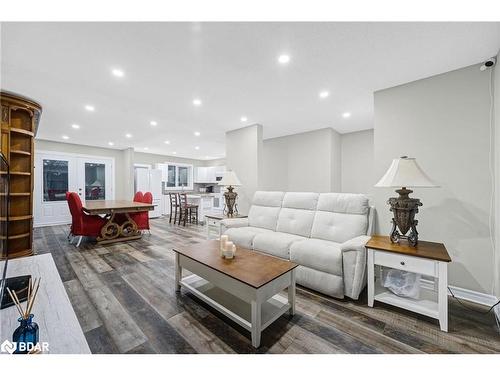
(324, 233)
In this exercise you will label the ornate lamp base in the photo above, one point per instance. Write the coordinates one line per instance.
(230, 206)
(404, 209)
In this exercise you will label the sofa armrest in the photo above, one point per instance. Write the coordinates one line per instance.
(355, 244)
(354, 263)
(233, 223)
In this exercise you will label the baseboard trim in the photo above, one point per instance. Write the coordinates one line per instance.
(465, 294)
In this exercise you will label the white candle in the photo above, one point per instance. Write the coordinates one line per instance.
(223, 240)
(229, 246)
(234, 250)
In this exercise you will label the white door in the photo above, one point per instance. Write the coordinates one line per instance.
(54, 176)
(57, 173)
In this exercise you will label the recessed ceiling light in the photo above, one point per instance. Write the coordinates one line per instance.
(197, 148)
(75, 126)
(90, 108)
(243, 119)
(197, 134)
(117, 72)
(174, 153)
(167, 142)
(197, 102)
(65, 137)
(153, 123)
(128, 135)
(346, 114)
(146, 148)
(284, 59)
(324, 94)
(111, 143)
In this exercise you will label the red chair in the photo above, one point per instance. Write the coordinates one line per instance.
(81, 223)
(142, 218)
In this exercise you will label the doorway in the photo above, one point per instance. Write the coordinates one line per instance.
(56, 173)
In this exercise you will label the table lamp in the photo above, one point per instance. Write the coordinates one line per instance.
(404, 172)
(230, 180)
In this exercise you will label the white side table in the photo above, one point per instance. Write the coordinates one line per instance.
(427, 258)
(213, 223)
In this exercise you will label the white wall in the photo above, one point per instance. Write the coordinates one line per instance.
(357, 162)
(443, 121)
(309, 161)
(244, 157)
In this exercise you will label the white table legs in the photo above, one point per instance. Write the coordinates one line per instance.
(443, 296)
(291, 293)
(371, 277)
(256, 322)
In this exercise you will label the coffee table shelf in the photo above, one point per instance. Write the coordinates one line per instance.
(233, 307)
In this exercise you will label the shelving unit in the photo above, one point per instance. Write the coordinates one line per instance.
(19, 123)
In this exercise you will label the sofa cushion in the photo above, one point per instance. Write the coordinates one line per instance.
(295, 221)
(244, 236)
(336, 227)
(321, 255)
(275, 243)
(263, 217)
(268, 198)
(343, 203)
(265, 209)
(304, 201)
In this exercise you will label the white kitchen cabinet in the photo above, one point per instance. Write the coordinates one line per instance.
(208, 175)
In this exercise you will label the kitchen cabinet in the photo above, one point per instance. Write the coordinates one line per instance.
(208, 175)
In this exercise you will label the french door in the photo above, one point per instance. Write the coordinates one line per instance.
(58, 173)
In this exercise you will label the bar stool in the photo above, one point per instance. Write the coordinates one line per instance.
(187, 210)
(174, 204)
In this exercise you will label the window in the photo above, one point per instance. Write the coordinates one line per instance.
(179, 176)
(55, 180)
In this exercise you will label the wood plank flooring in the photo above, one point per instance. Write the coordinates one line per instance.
(123, 295)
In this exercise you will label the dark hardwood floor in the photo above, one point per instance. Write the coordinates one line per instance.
(123, 295)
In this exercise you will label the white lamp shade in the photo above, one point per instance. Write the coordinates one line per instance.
(405, 172)
(230, 179)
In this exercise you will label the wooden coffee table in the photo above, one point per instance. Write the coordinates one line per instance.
(245, 288)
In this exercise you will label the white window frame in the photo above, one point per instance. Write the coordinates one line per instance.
(190, 176)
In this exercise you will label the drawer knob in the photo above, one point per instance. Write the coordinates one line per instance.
(402, 263)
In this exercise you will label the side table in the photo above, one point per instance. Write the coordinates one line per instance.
(427, 258)
(212, 221)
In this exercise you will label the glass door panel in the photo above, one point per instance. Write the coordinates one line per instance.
(55, 180)
(95, 181)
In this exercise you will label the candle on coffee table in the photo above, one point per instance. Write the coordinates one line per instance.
(223, 240)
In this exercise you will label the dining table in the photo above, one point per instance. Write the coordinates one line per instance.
(119, 225)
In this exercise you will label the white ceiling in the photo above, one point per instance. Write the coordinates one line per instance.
(231, 67)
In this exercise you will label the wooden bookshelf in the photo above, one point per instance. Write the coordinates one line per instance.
(19, 124)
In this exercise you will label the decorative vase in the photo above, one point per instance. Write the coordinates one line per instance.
(27, 333)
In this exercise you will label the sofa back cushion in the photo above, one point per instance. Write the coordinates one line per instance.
(265, 209)
(297, 213)
(340, 217)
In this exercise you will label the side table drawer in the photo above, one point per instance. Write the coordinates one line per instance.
(213, 222)
(406, 263)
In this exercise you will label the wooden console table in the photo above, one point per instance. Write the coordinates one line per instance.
(427, 258)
